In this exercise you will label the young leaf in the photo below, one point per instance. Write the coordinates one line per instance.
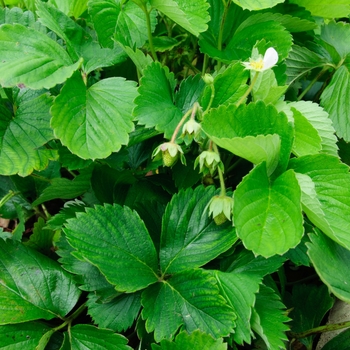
(239, 290)
(23, 336)
(157, 89)
(319, 120)
(189, 298)
(187, 232)
(83, 336)
(191, 15)
(326, 197)
(44, 64)
(322, 250)
(118, 314)
(34, 285)
(72, 8)
(268, 318)
(194, 341)
(334, 98)
(268, 214)
(124, 22)
(77, 115)
(23, 136)
(254, 5)
(126, 255)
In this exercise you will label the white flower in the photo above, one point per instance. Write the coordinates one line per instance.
(262, 63)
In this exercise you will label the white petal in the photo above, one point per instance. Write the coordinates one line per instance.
(270, 58)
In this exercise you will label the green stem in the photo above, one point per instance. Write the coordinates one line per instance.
(312, 83)
(221, 31)
(321, 329)
(190, 111)
(205, 64)
(249, 89)
(211, 99)
(221, 175)
(149, 32)
(70, 318)
(7, 197)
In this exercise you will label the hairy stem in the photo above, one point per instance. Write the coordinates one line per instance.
(312, 83)
(192, 112)
(149, 32)
(221, 175)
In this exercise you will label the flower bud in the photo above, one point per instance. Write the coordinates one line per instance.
(208, 162)
(221, 208)
(208, 79)
(170, 153)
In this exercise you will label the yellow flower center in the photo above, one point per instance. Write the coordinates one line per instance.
(257, 65)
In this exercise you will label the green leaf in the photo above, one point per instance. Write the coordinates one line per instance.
(22, 136)
(34, 285)
(331, 262)
(239, 290)
(70, 160)
(189, 298)
(118, 314)
(323, 8)
(230, 86)
(337, 34)
(254, 5)
(326, 197)
(126, 256)
(268, 318)
(23, 336)
(300, 61)
(321, 122)
(83, 336)
(310, 304)
(267, 214)
(334, 100)
(138, 57)
(194, 341)
(157, 89)
(32, 59)
(192, 16)
(77, 114)
(66, 189)
(124, 22)
(225, 124)
(306, 141)
(187, 232)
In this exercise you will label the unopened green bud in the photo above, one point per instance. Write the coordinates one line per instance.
(208, 79)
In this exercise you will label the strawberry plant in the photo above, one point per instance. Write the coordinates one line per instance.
(174, 174)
